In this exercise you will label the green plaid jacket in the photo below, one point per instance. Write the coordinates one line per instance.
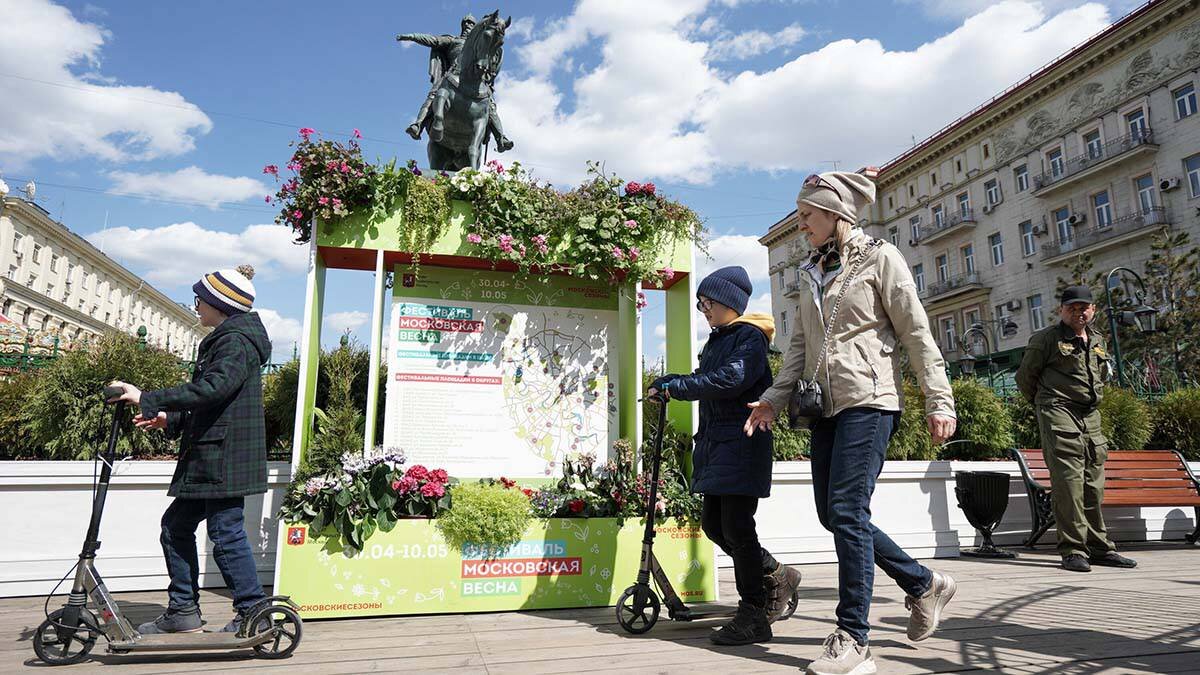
(218, 416)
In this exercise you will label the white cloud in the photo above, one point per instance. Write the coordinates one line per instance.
(180, 253)
(735, 249)
(753, 42)
(655, 102)
(340, 322)
(959, 9)
(283, 331)
(660, 330)
(78, 115)
(521, 28)
(191, 184)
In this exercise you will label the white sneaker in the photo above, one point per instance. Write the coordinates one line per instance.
(843, 656)
(926, 611)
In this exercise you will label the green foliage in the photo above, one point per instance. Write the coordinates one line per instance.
(1125, 419)
(331, 181)
(425, 204)
(341, 423)
(984, 423)
(489, 518)
(15, 394)
(911, 440)
(1177, 423)
(1025, 426)
(66, 414)
(790, 444)
(1172, 277)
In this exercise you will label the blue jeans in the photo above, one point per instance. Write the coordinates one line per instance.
(227, 530)
(847, 455)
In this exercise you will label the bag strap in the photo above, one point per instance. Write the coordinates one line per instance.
(837, 304)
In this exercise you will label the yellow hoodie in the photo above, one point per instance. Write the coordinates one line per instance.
(760, 320)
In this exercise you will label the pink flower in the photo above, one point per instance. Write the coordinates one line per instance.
(417, 472)
(540, 242)
(668, 272)
(474, 238)
(271, 169)
(495, 165)
(357, 134)
(631, 224)
(641, 300)
(634, 252)
(297, 214)
(267, 199)
(648, 189)
(405, 485)
(337, 202)
(345, 168)
(632, 188)
(432, 489)
(617, 253)
(521, 249)
(506, 243)
(323, 201)
(305, 132)
(440, 476)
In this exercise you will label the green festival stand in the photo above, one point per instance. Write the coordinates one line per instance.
(477, 363)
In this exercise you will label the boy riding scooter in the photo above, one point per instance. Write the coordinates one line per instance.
(223, 456)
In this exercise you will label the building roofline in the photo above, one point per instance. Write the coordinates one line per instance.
(771, 231)
(1014, 89)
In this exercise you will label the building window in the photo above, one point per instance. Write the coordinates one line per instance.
(1102, 208)
(1062, 220)
(1092, 145)
(37, 254)
(958, 165)
(964, 204)
(894, 235)
(949, 334)
(1185, 101)
(997, 247)
(943, 267)
(53, 263)
(971, 318)
(783, 322)
(987, 151)
(912, 191)
(1192, 166)
(992, 190)
(919, 277)
(107, 317)
(12, 272)
(1001, 317)
(780, 285)
(939, 216)
(891, 203)
(1145, 192)
(968, 258)
(1055, 157)
(17, 242)
(1037, 320)
(933, 184)
(1021, 178)
(914, 227)
(1136, 122)
(49, 290)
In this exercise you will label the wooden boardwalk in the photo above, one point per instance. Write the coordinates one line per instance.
(1022, 616)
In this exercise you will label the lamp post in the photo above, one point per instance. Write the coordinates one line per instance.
(1135, 312)
(966, 363)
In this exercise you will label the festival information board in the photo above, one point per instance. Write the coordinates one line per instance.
(490, 375)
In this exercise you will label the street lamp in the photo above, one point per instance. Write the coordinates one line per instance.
(1135, 313)
(966, 363)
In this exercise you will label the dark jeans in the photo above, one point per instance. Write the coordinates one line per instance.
(728, 520)
(227, 530)
(847, 455)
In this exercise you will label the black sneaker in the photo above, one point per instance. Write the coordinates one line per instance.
(237, 623)
(748, 626)
(174, 620)
(1076, 563)
(781, 586)
(1113, 559)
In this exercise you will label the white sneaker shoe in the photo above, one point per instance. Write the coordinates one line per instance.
(843, 656)
(926, 611)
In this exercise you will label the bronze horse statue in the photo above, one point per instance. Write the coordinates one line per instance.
(463, 102)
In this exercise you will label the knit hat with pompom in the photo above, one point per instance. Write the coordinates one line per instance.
(229, 290)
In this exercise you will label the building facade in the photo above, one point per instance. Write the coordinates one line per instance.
(1092, 155)
(55, 282)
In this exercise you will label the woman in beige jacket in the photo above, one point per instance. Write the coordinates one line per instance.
(860, 379)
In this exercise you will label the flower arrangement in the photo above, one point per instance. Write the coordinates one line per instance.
(329, 181)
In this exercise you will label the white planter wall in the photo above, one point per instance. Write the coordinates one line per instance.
(44, 508)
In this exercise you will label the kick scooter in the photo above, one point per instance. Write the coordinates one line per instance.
(68, 634)
(638, 607)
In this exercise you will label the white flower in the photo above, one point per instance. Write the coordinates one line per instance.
(3, 189)
(578, 486)
(478, 179)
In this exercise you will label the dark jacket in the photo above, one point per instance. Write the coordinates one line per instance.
(733, 372)
(1059, 368)
(219, 415)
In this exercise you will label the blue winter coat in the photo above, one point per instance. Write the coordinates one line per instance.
(733, 372)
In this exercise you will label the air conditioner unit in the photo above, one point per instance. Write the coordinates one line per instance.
(912, 243)
(988, 208)
(1012, 305)
(1039, 230)
(1168, 184)
(1077, 218)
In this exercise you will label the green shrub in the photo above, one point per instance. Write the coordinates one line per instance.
(1177, 423)
(911, 440)
(983, 423)
(1025, 426)
(67, 416)
(1125, 420)
(15, 394)
(340, 424)
(490, 518)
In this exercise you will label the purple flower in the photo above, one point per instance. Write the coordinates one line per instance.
(474, 238)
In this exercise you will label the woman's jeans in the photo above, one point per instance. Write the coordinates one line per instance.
(231, 549)
(847, 455)
(728, 520)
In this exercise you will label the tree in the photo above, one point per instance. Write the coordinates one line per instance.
(1173, 287)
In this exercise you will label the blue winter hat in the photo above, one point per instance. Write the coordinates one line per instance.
(729, 286)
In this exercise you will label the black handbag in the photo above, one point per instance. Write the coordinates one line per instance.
(806, 403)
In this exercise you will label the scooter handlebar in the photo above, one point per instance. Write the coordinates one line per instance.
(111, 392)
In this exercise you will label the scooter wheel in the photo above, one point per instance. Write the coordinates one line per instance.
(792, 604)
(55, 647)
(638, 609)
(287, 627)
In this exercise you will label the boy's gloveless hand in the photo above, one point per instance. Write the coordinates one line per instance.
(762, 416)
(158, 422)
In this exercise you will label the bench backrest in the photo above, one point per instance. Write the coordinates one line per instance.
(1154, 473)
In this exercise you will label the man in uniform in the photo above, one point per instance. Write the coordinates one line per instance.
(1062, 374)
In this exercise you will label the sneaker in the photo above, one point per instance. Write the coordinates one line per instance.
(174, 620)
(843, 656)
(748, 626)
(236, 624)
(1113, 559)
(1076, 563)
(925, 612)
(781, 586)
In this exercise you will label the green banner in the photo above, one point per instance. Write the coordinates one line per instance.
(486, 286)
(559, 563)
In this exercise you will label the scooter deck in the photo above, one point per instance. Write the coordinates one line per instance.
(693, 613)
(179, 642)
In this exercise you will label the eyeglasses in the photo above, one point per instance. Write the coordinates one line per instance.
(196, 303)
(704, 304)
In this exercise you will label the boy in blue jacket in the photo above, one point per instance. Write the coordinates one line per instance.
(731, 470)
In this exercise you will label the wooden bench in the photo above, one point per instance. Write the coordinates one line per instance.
(1131, 478)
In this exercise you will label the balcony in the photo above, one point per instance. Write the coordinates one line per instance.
(791, 288)
(1109, 154)
(1121, 230)
(953, 221)
(952, 287)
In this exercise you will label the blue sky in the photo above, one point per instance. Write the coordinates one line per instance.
(158, 117)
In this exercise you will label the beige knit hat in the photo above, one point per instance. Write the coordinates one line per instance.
(840, 192)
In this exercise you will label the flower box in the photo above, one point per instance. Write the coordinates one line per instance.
(559, 563)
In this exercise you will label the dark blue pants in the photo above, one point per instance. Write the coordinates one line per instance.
(847, 455)
(227, 530)
(728, 521)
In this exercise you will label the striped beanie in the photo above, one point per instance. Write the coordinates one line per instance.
(228, 291)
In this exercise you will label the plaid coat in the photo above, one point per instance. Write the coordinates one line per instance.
(219, 415)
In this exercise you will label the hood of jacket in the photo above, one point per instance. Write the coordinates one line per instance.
(249, 326)
(760, 320)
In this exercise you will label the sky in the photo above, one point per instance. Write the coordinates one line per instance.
(146, 125)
